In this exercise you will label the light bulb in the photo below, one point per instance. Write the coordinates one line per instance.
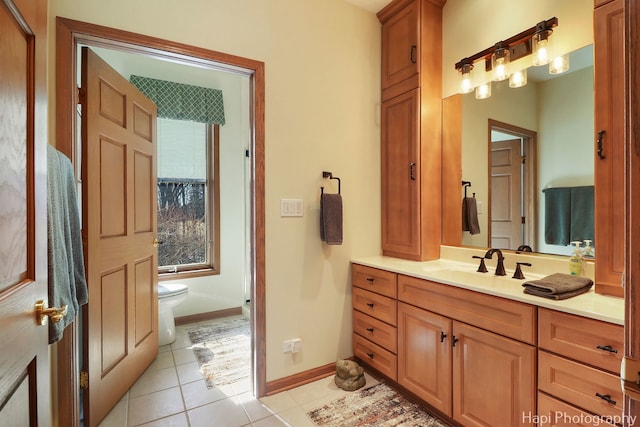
(518, 79)
(466, 84)
(483, 91)
(541, 48)
(560, 64)
(499, 63)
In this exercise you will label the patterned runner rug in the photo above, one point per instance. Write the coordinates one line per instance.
(378, 406)
(223, 350)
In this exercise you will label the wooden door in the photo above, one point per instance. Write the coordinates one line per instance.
(609, 195)
(400, 139)
(493, 378)
(119, 213)
(24, 360)
(400, 48)
(424, 355)
(506, 194)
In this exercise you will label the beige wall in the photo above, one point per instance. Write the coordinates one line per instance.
(322, 61)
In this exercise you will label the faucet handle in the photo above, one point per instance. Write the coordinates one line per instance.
(482, 268)
(518, 273)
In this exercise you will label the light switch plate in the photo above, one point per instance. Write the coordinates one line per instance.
(291, 207)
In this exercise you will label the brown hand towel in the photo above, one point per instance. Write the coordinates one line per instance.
(470, 215)
(331, 218)
(558, 286)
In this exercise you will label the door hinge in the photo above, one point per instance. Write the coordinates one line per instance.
(84, 380)
(523, 160)
(523, 220)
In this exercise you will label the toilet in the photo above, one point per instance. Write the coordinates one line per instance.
(169, 296)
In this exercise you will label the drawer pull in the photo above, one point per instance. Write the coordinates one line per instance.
(370, 304)
(370, 330)
(607, 348)
(606, 397)
(370, 279)
(454, 341)
(370, 355)
(442, 336)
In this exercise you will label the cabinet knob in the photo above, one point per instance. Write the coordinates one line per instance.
(370, 330)
(370, 304)
(370, 355)
(454, 341)
(412, 54)
(370, 279)
(442, 336)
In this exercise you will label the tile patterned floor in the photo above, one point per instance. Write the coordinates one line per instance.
(172, 393)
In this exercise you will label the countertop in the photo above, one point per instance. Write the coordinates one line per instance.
(464, 275)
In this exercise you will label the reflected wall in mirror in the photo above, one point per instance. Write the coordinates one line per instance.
(550, 123)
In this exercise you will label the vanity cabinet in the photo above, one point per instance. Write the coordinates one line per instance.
(469, 355)
(374, 318)
(609, 175)
(411, 128)
(578, 365)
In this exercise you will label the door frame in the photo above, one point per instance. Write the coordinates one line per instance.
(70, 33)
(530, 179)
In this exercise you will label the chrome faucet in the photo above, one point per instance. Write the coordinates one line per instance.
(500, 267)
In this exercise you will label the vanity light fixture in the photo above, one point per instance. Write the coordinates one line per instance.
(518, 79)
(498, 57)
(466, 85)
(560, 64)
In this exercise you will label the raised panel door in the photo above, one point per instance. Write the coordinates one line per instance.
(609, 197)
(400, 47)
(493, 378)
(424, 355)
(400, 140)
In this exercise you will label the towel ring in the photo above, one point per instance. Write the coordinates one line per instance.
(330, 176)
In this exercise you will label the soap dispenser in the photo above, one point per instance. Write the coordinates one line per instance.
(575, 260)
(587, 252)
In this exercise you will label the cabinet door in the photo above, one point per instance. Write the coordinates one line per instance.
(609, 131)
(493, 378)
(401, 233)
(400, 48)
(424, 355)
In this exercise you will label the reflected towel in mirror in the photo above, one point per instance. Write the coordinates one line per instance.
(470, 215)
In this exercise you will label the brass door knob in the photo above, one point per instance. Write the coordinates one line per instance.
(43, 313)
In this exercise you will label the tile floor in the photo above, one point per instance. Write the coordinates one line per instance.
(172, 393)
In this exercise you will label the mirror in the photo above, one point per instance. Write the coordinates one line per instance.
(550, 122)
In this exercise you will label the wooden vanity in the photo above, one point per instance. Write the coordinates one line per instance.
(483, 359)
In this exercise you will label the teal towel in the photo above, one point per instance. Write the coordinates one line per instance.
(557, 216)
(582, 214)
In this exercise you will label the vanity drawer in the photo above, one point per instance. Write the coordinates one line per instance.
(376, 331)
(590, 341)
(555, 413)
(378, 306)
(375, 356)
(578, 384)
(505, 317)
(374, 280)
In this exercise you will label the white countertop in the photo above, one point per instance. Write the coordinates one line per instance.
(464, 275)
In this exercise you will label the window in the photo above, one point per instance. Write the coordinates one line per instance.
(188, 202)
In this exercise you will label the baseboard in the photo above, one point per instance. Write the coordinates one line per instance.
(301, 378)
(193, 318)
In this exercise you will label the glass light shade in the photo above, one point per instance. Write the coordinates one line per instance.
(500, 64)
(466, 84)
(483, 91)
(560, 64)
(542, 48)
(518, 79)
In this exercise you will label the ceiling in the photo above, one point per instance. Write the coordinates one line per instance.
(370, 5)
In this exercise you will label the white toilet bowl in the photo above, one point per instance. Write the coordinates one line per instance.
(169, 296)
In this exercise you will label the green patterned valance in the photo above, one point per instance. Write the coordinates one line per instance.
(179, 101)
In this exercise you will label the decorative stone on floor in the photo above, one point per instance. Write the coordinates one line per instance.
(349, 375)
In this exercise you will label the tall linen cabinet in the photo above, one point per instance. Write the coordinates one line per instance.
(411, 128)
